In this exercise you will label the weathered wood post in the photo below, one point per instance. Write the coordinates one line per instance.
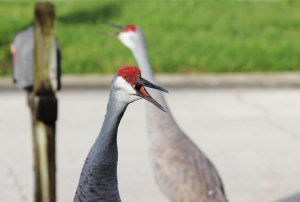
(43, 103)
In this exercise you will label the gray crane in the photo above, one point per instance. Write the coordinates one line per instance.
(98, 179)
(181, 169)
(22, 50)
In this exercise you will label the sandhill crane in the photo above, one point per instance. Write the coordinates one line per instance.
(22, 50)
(181, 169)
(98, 179)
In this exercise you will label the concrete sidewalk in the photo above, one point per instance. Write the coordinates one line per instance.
(251, 135)
(207, 80)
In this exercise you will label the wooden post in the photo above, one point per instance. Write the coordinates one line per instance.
(43, 103)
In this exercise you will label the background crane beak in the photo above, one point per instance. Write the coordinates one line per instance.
(109, 33)
(118, 27)
(141, 91)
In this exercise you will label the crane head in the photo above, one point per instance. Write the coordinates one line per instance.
(130, 35)
(129, 81)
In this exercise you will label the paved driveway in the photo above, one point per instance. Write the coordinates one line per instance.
(251, 135)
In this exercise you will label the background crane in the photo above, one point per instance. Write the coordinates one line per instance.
(181, 169)
(98, 180)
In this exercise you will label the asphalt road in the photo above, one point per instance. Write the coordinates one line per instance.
(251, 135)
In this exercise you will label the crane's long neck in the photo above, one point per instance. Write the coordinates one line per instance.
(157, 121)
(98, 180)
(141, 55)
(105, 150)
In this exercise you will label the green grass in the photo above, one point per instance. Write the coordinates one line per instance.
(182, 36)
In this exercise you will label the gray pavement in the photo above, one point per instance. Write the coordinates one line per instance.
(251, 135)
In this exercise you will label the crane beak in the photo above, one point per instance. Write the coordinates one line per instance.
(118, 27)
(110, 33)
(141, 91)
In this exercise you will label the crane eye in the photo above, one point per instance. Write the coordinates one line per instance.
(124, 76)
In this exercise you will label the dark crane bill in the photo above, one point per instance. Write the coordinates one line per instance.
(146, 83)
(109, 33)
(141, 91)
(119, 27)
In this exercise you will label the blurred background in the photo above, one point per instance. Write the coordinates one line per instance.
(249, 130)
(193, 36)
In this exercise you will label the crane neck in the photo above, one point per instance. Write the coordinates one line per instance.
(105, 150)
(161, 120)
(141, 55)
(98, 180)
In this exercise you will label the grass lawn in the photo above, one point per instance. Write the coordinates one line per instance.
(182, 36)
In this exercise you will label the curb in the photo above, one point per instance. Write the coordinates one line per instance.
(230, 80)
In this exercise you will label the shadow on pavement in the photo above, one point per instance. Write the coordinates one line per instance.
(292, 198)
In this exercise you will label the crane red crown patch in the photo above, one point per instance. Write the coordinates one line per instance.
(129, 73)
(129, 28)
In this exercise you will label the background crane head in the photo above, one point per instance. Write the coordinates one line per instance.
(130, 35)
(131, 86)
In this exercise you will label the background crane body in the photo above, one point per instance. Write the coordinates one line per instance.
(22, 50)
